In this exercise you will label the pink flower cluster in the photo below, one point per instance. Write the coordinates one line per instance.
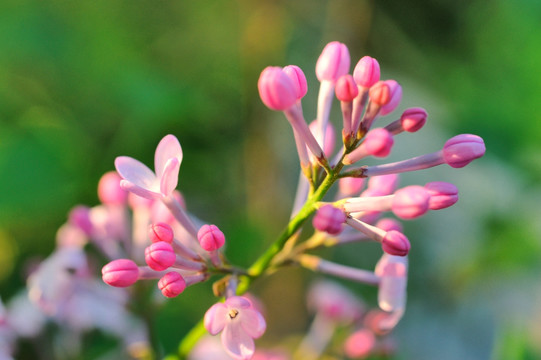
(177, 251)
(364, 98)
(143, 229)
(180, 251)
(339, 311)
(355, 214)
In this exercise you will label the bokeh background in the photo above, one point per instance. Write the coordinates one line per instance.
(83, 82)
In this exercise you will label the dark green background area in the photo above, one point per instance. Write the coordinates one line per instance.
(83, 82)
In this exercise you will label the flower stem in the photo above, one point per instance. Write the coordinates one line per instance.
(262, 263)
(259, 267)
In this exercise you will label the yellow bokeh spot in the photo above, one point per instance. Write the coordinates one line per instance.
(8, 252)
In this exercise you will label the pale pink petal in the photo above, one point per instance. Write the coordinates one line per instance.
(388, 259)
(169, 177)
(136, 172)
(238, 302)
(237, 342)
(392, 294)
(215, 318)
(168, 148)
(392, 287)
(253, 323)
(139, 191)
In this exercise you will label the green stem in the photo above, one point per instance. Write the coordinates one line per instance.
(262, 263)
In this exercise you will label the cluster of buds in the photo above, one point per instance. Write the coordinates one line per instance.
(143, 229)
(340, 314)
(355, 214)
(177, 261)
(364, 98)
(179, 251)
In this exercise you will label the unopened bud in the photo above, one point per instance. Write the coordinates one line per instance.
(395, 243)
(462, 149)
(160, 256)
(120, 273)
(172, 284)
(210, 237)
(366, 72)
(333, 62)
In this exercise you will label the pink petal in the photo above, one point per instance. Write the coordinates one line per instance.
(137, 173)
(276, 89)
(168, 148)
(215, 318)
(392, 293)
(392, 287)
(169, 177)
(139, 191)
(237, 342)
(238, 302)
(253, 323)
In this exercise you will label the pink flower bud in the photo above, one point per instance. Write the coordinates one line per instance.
(160, 232)
(346, 89)
(68, 236)
(160, 256)
(350, 186)
(383, 184)
(172, 284)
(413, 119)
(366, 72)
(80, 216)
(378, 142)
(380, 93)
(210, 237)
(395, 243)
(388, 224)
(410, 202)
(276, 89)
(120, 273)
(442, 194)
(333, 62)
(360, 344)
(395, 91)
(109, 190)
(299, 80)
(462, 149)
(329, 219)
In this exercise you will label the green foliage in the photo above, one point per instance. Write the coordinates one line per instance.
(83, 82)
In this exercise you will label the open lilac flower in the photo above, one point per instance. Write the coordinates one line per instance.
(239, 322)
(139, 179)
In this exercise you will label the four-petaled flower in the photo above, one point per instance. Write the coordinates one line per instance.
(239, 322)
(139, 179)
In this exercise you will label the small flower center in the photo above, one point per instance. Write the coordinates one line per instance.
(233, 313)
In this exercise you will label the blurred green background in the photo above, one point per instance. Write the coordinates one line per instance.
(83, 82)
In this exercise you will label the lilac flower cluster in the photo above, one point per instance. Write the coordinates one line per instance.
(182, 252)
(355, 214)
(145, 232)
